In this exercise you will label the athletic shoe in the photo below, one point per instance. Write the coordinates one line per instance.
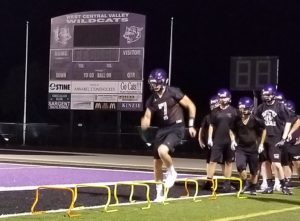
(264, 186)
(245, 188)
(286, 191)
(268, 190)
(226, 187)
(207, 185)
(159, 199)
(170, 179)
(288, 182)
(253, 192)
(277, 187)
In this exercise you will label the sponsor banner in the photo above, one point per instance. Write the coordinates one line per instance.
(82, 97)
(59, 97)
(130, 98)
(131, 87)
(59, 105)
(106, 97)
(59, 86)
(82, 105)
(130, 106)
(106, 87)
(105, 106)
(97, 87)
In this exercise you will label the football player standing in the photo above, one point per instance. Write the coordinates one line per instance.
(278, 122)
(218, 137)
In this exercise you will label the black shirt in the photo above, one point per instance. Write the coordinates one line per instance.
(275, 116)
(221, 120)
(167, 109)
(247, 135)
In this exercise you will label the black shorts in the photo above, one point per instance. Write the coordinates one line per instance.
(285, 156)
(207, 154)
(272, 153)
(169, 136)
(221, 154)
(244, 158)
(294, 152)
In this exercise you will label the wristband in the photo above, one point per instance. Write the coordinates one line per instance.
(191, 122)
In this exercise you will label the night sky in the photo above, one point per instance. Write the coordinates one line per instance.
(206, 34)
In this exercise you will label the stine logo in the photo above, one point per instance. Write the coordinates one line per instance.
(59, 87)
(132, 34)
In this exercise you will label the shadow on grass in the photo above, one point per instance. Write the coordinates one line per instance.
(295, 202)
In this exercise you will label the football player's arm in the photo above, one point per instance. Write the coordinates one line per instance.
(295, 126)
(146, 119)
(231, 135)
(262, 141)
(201, 143)
(287, 128)
(232, 138)
(210, 133)
(187, 103)
(263, 137)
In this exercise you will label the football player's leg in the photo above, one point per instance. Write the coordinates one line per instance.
(241, 164)
(158, 175)
(253, 167)
(276, 164)
(229, 157)
(171, 174)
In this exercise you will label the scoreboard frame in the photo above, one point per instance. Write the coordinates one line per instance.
(96, 61)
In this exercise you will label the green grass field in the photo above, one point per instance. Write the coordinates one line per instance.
(261, 207)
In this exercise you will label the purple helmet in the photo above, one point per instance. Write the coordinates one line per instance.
(224, 96)
(157, 78)
(214, 102)
(245, 105)
(290, 105)
(268, 93)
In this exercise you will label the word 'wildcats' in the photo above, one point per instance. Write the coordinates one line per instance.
(98, 18)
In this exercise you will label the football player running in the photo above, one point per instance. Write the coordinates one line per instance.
(247, 139)
(167, 104)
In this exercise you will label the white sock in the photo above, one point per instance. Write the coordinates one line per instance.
(159, 190)
(171, 169)
(277, 182)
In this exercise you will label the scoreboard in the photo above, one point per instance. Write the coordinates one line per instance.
(96, 61)
(252, 73)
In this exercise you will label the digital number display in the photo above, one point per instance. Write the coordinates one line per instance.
(97, 35)
(252, 73)
(101, 55)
